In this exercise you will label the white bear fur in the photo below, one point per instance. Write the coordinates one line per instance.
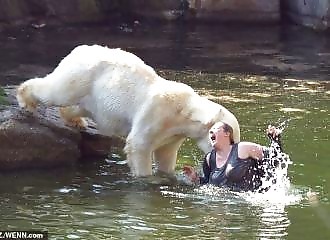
(126, 98)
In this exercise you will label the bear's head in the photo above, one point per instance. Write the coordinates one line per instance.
(25, 97)
(221, 115)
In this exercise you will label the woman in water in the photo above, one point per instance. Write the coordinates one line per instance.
(239, 166)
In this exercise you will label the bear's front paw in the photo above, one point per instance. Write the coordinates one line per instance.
(77, 122)
(30, 107)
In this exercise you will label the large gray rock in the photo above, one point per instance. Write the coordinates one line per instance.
(40, 13)
(310, 13)
(262, 11)
(43, 140)
(29, 142)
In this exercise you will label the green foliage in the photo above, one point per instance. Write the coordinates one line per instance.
(3, 100)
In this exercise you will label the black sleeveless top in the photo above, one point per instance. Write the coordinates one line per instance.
(236, 174)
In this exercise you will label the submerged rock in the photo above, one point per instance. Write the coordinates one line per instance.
(43, 140)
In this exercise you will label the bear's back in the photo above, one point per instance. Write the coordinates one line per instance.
(91, 56)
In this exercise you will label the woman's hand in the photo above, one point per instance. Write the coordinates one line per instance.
(191, 173)
(274, 135)
(273, 132)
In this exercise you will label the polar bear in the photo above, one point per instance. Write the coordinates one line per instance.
(125, 97)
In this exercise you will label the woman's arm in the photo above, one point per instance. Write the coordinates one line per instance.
(257, 151)
(250, 150)
(206, 170)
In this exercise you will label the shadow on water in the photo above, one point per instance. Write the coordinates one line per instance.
(263, 74)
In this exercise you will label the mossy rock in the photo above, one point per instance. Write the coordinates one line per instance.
(3, 96)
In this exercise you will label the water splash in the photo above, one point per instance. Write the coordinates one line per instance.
(275, 166)
(275, 184)
(282, 125)
(275, 169)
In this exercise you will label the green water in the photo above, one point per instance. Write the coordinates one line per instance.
(98, 199)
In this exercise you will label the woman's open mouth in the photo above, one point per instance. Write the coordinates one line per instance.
(212, 138)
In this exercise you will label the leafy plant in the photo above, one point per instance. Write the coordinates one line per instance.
(3, 100)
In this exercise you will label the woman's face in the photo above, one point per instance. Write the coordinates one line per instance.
(217, 134)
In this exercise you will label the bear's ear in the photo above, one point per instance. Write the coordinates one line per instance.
(210, 124)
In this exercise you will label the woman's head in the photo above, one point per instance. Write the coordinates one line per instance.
(221, 131)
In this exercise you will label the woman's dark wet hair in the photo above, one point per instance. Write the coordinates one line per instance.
(229, 129)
